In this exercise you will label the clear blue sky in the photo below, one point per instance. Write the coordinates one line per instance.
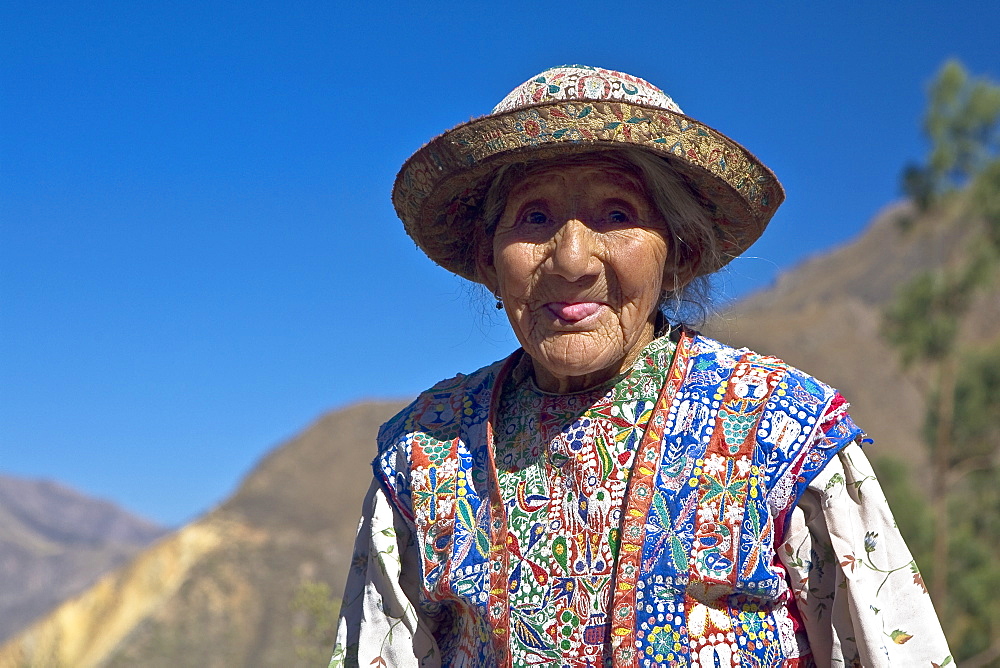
(197, 251)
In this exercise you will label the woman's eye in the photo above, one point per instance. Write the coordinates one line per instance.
(535, 218)
(619, 217)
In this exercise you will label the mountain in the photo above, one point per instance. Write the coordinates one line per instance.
(56, 542)
(256, 582)
(222, 591)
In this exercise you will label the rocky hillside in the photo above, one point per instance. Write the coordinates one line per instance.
(221, 591)
(54, 543)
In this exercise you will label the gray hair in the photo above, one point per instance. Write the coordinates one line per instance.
(692, 239)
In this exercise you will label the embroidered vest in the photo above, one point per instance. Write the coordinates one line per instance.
(732, 443)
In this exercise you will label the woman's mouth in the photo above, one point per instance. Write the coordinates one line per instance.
(573, 312)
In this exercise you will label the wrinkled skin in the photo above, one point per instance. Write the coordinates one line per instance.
(578, 258)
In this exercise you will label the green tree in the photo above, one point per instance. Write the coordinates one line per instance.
(974, 503)
(961, 381)
(962, 124)
(986, 200)
(921, 324)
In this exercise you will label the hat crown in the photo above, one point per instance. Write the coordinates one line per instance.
(580, 82)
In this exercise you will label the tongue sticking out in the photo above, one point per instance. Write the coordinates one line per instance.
(574, 312)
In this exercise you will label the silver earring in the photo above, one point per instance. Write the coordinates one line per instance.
(499, 300)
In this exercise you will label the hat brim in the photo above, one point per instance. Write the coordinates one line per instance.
(439, 190)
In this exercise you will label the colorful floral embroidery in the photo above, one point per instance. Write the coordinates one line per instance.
(562, 465)
(501, 557)
(580, 82)
(520, 541)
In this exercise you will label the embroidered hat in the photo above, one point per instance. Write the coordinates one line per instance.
(574, 108)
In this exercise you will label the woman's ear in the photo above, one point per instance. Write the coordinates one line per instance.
(676, 279)
(681, 268)
(485, 269)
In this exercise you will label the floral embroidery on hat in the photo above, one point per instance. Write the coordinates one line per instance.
(579, 82)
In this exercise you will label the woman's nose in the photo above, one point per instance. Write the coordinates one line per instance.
(573, 251)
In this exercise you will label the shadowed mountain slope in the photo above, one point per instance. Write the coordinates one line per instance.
(54, 543)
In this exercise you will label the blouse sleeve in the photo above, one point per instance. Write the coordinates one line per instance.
(857, 588)
(381, 623)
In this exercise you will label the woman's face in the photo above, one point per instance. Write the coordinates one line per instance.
(578, 259)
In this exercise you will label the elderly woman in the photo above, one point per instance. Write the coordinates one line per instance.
(621, 490)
